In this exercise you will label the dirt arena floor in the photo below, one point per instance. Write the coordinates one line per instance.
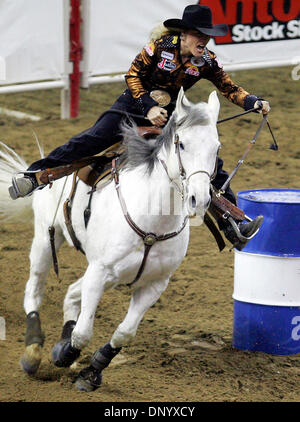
(183, 350)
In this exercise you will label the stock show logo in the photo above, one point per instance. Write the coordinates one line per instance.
(256, 20)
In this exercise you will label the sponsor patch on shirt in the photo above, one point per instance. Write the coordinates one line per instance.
(166, 65)
(192, 70)
(150, 48)
(167, 55)
(198, 61)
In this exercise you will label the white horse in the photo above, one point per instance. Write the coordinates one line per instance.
(184, 157)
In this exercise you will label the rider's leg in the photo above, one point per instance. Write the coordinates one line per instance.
(238, 233)
(103, 134)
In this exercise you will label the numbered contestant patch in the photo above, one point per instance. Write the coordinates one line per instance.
(166, 65)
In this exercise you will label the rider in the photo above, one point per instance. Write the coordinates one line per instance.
(175, 58)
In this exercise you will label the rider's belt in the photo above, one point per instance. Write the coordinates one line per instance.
(163, 98)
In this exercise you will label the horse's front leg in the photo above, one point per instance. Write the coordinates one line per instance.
(142, 299)
(63, 355)
(76, 335)
(40, 260)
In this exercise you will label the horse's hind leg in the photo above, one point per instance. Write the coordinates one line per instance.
(142, 299)
(40, 259)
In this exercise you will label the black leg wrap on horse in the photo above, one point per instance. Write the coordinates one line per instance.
(67, 329)
(34, 334)
(63, 354)
(89, 379)
(102, 357)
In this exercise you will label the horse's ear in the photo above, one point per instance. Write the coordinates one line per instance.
(182, 104)
(214, 105)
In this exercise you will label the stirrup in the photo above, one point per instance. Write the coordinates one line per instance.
(238, 233)
(14, 190)
(241, 240)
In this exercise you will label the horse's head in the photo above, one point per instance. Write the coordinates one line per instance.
(192, 157)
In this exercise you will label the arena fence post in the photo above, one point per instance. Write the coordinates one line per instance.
(86, 33)
(75, 57)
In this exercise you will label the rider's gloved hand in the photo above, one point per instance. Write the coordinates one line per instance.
(157, 116)
(262, 106)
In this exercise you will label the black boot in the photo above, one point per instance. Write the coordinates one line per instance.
(239, 234)
(22, 186)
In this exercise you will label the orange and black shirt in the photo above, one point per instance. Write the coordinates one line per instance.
(159, 66)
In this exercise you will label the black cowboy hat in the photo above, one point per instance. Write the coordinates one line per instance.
(199, 18)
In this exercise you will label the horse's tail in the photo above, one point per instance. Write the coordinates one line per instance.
(10, 164)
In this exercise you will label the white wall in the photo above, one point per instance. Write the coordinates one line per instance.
(32, 40)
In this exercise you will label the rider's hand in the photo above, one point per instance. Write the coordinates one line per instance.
(157, 116)
(262, 106)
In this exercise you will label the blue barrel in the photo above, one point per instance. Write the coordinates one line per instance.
(267, 275)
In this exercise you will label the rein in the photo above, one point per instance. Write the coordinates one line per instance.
(273, 146)
(252, 142)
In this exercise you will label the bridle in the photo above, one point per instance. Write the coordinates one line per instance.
(182, 171)
(184, 179)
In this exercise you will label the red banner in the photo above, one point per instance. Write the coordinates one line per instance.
(256, 20)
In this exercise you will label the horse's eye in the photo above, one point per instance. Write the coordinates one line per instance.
(181, 146)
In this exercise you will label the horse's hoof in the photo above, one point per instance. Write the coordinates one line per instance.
(89, 379)
(63, 354)
(31, 359)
